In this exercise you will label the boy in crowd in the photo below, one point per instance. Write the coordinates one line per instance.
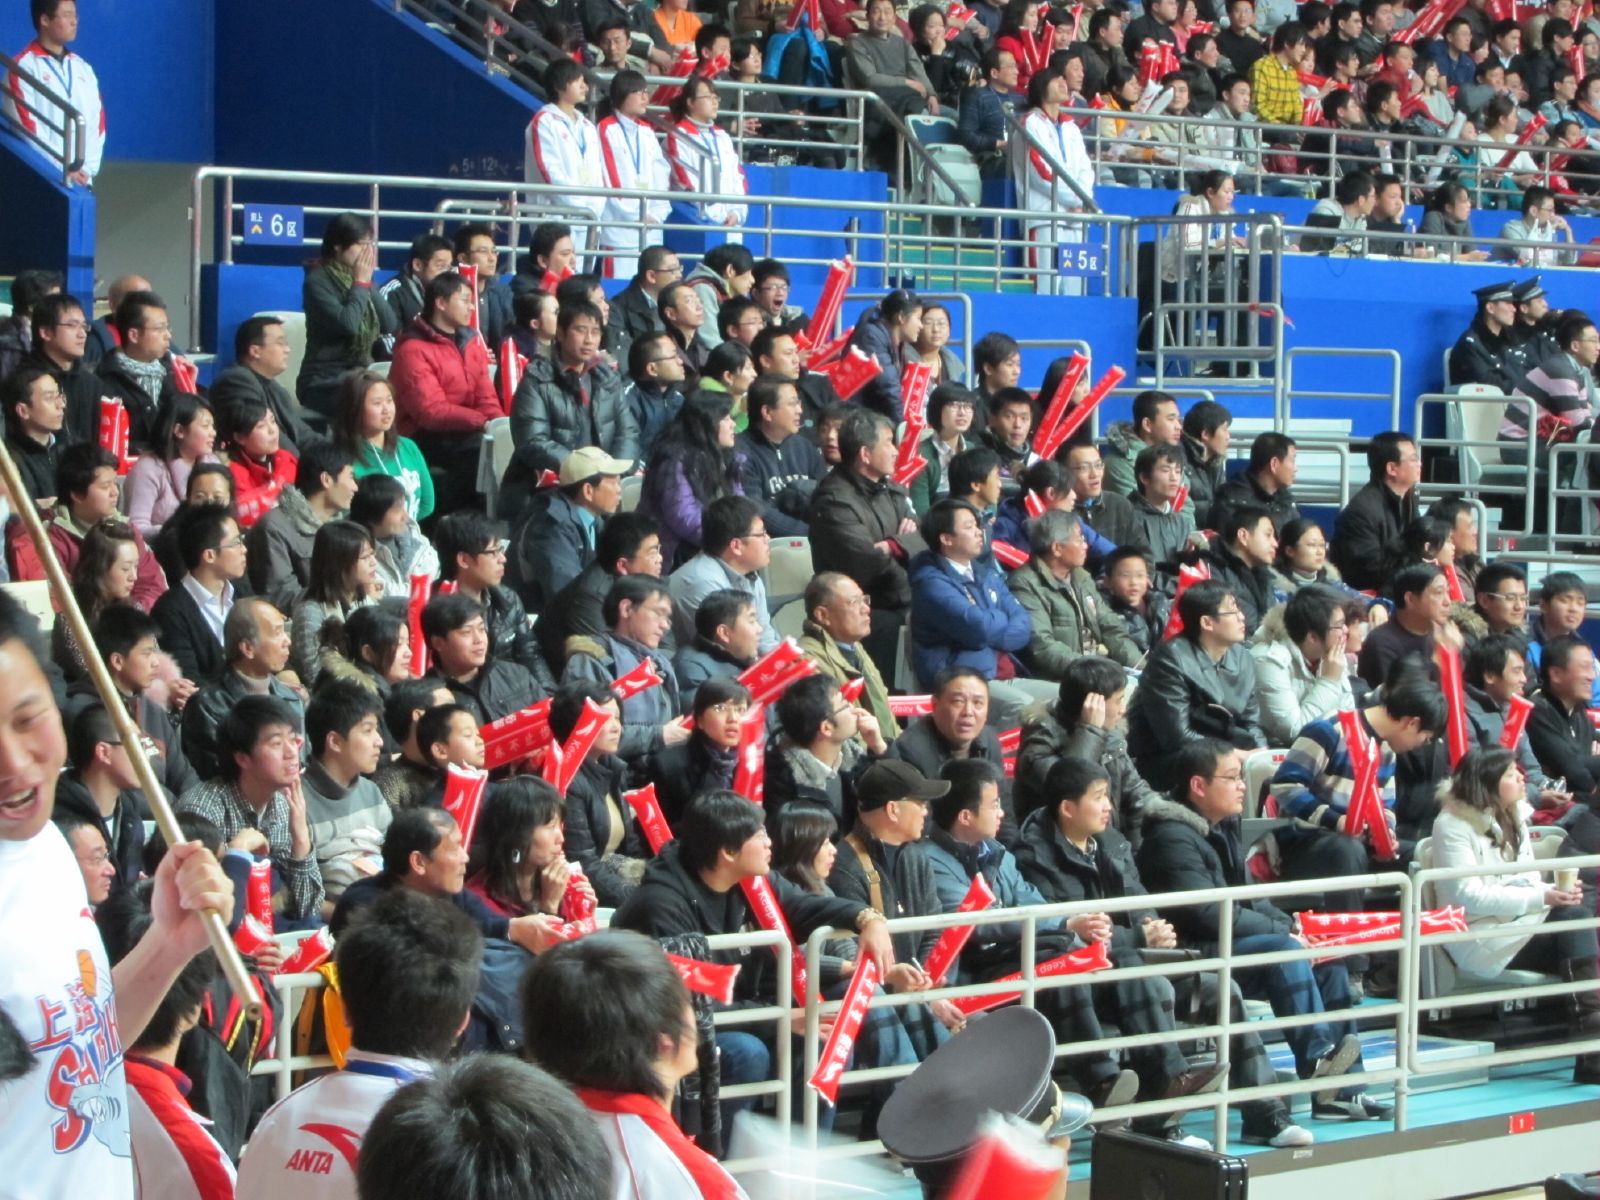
(346, 810)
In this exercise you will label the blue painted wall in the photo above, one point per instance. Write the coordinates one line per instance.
(372, 92)
(156, 62)
(46, 225)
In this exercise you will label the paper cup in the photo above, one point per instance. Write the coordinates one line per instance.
(1566, 878)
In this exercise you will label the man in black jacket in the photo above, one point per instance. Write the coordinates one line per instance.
(957, 728)
(1191, 843)
(882, 864)
(472, 554)
(1241, 560)
(140, 373)
(60, 330)
(260, 356)
(1070, 851)
(781, 468)
(1108, 514)
(1154, 26)
(102, 789)
(633, 309)
(1480, 353)
(628, 545)
(255, 651)
(1563, 739)
(194, 610)
(457, 631)
(431, 255)
(1379, 512)
(697, 885)
(35, 411)
(1265, 482)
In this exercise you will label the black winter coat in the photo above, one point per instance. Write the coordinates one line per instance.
(924, 747)
(1181, 853)
(905, 877)
(672, 900)
(588, 826)
(1374, 517)
(1183, 696)
(1062, 873)
(498, 690)
(556, 412)
(849, 516)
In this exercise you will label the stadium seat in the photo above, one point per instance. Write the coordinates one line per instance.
(789, 571)
(632, 486)
(1259, 768)
(938, 136)
(789, 619)
(1438, 976)
(493, 460)
(294, 328)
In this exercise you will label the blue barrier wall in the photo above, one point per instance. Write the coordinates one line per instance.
(373, 93)
(46, 225)
(156, 62)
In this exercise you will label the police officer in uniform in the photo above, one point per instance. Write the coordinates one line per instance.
(1530, 335)
(1479, 355)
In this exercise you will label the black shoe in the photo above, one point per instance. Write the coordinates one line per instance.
(1120, 1088)
(1197, 1081)
(1335, 1062)
(1276, 1128)
(1360, 1107)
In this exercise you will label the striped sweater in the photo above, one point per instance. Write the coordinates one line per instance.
(1313, 784)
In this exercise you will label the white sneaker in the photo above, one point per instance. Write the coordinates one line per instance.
(1178, 1137)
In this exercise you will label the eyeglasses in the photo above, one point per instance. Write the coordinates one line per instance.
(235, 542)
(1093, 467)
(1230, 612)
(98, 858)
(730, 708)
(1227, 778)
(758, 533)
(80, 323)
(498, 550)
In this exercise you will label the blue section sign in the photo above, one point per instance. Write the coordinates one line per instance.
(1083, 260)
(277, 225)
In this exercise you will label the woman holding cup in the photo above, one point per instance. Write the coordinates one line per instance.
(1483, 821)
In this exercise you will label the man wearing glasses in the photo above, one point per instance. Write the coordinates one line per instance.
(1108, 514)
(1199, 684)
(140, 372)
(60, 337)
(735, 549)
(1379, 512)
(633, 310)
(1501, 598)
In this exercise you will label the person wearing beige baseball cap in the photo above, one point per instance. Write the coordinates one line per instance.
(558, 538)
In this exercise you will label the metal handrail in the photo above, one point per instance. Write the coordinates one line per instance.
(1224, 963)
(1201, 155)
(892, 259)
(1017, 129)
(496, 62)
(1391, 396)
(1582, 454)
(72, 131)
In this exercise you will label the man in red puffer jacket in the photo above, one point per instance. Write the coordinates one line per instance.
(441, 389)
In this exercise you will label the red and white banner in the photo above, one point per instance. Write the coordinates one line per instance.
(1035, 504)
(911, 706)
(463, 798)
(1516, 722)
(1364, 928)
(750, 771)
(1078, 414)
(764, 908)
(651, 819)
(915, 380)
(904, 473)
(1009, 1161)
(513, 738)
(560, 766)
(770, 675)
(951, 941)
(470, 273)
(1008, 555)
(310, 954)
(1078, 962)
(1523, 138)
(842, 1040)
(551, 281)
(258, 893)
(114, 431)
(851, 373)
(1188, 576)
(1366, 811)
(1056, 405)
(252, 937)
(641, 679)
(708, 979)
(841, 273)
(416, 601)
(1457, 735)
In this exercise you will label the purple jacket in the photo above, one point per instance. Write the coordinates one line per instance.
(668, 498)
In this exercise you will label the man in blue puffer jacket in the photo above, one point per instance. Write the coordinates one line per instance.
(962, 613)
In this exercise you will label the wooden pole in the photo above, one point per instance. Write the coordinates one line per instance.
(227, 953)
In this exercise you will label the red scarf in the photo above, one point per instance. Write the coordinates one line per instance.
(714, 1183)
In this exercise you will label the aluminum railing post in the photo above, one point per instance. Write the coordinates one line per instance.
(1224, 1019)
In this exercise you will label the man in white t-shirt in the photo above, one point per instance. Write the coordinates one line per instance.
(64, 1124)
(408, 969)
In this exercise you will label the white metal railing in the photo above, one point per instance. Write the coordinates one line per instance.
(1224, 964)
(65, 122)
(1389, 396)
(880, 237)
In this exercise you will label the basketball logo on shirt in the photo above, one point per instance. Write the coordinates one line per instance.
(84, 1081)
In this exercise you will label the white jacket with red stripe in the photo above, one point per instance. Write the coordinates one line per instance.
(1055, 148)
(174, 1155)
(704, 159)
(633, 161)
(71, 79)
(565, 151)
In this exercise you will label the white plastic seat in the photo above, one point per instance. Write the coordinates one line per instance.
(789, 571)
(1259, 768)
(34, 595)
(632, 486)
(789, 619)
(294, 329)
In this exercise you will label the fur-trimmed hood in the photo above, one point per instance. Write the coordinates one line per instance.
(1163, 809)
